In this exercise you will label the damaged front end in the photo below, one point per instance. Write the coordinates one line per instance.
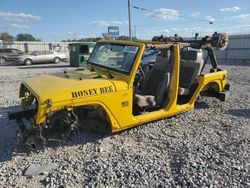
(38, 122)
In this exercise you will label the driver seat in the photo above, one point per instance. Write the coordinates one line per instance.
(155, 85)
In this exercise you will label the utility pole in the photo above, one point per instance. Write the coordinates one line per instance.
(129, 20)
(135, 31)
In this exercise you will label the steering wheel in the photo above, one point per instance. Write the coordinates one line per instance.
(139, 77)
(142, 73)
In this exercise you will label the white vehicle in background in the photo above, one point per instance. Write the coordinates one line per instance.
(46, 56)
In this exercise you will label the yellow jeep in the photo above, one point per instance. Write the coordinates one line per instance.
(114, 93)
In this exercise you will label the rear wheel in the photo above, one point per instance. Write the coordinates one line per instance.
(3, 60)
(57, 60)
(28, 62)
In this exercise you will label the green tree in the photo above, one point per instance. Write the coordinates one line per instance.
(6, 37)
(123, 37)
(91, 39)
(26, 37)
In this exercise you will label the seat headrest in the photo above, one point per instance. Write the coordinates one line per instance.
(189, 55)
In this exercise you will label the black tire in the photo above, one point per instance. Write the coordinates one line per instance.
(28, 62)
(57, 60)
(3, 60)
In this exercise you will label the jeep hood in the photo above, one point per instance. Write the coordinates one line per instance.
(70, 85)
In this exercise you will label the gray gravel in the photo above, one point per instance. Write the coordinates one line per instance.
(206, 147)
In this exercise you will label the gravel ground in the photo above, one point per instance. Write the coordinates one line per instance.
(206, 147)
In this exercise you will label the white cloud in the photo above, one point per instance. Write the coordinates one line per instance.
(117, 22)
(125, 22)
(195, 13)
(245, 26)
(15, 26)
(18, 16)
(100, 23)
(89, 36)
(80, 36)
(243, 16)
(210, 18)
(202, 30)
(166, 31)
(242, 29)
(107, 23)
(175, 29)
(163, 13)
(19, 26)
(232, 9)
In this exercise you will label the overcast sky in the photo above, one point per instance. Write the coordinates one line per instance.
(68, 19)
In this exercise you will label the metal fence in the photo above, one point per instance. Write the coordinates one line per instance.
(36, 46)
(238, 50)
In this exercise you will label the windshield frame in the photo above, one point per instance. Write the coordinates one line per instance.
(110, 68)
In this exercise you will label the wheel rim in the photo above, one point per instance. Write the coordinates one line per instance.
(2, 60)
(28, 62)
(57, 60)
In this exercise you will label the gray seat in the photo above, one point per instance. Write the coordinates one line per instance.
(154, 87)
(189, 71)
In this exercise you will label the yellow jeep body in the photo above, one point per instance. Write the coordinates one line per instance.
(114, 94)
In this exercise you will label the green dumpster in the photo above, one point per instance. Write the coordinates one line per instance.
(79, 53)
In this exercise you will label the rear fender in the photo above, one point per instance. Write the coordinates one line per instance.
(214, 89)
(212, 86)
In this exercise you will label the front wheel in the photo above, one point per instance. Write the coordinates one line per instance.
(57, 60)
(3, 60)
(28, 62)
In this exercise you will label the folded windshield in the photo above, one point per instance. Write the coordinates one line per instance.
(115, 57)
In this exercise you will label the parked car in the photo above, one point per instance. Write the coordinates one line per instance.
(9, 54)
(42, 57)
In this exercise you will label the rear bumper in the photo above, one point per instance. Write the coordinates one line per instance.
(224, 95)
(227, 87)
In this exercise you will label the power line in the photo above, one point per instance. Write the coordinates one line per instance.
(188, 18)
(140, 8)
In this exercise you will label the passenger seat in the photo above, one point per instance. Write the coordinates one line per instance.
(189, 71)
